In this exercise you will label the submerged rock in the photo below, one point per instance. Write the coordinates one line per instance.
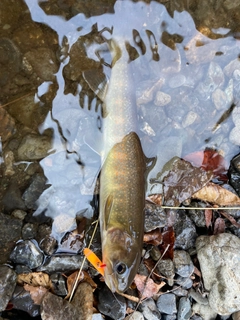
(8, 280)
(219, 257)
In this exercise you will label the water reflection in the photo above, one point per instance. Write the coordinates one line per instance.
(185, 76)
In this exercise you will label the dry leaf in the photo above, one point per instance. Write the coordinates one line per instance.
(216, 194)
(147, 287)
(208, 217)
(84, 276)
(36, 293)
(154, 237)
(35, 279)
(230, 218)
(156, 199)
(219, 226)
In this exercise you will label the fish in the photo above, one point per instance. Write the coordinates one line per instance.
(122, 176)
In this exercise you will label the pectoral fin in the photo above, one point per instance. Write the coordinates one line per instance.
(107, 210)
(97, 81)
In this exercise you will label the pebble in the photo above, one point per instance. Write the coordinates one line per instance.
(34, 147)
(27, 253)
(114, 307)
(219, 98)
(182, 263)
(21, 300)
(29, 231)
(33, 192)
(155, 217)
(218, 256)
(8, 280)
(232, 67)
(185, 283)
(162, 99)
(236, 116)
(166, 303)
(184, 309)
(58, 284)
(190, 118)
(166, 268)
(177, 81)
(205, 311)
(136, 315)
(234, 136)
(10, 232)
(234, 173)
(185, 231)
(19, 214)
(149, 310)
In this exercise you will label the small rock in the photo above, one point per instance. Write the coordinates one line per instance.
(62, 263)
(150, 310)
(27, 253)
(83, 301)
(10, 232)
(54, 307)
(8, 280)
(184, 309)
(232, 67)
(162, 99)
(218, 256)
(110, 306)
(21, 300)
(34, 147)
(190, 118)
(177, 81)
(33, 192)
(236, 116)
(197, 216)
(236, 315)
(19, 214)
(234, 136)
(12, 198)
(155, 217)
(29, 231)
(185, 232)
(185, 283)
(166, 268)
(182, 263)
(180, 292)
(219, 98)
(58, 284)
(166, 303)
(234, 173)
(8, 161)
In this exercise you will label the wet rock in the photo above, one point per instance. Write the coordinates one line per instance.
(218, 257)
(234, 173)
(180, 292)
(59, 284)
(97, 316)
(150, 310)
(185, 231)
(219, 98)
(234, 136)
(162, 99)
(62, 263)
(43, 62)
(22, 269)
(8, 162)
(236, 315)
(182, 263)
(110, 306)
(197, 216)
(232, 67)
(21, 300)
(184, 309)
(8, 280)
(83, 301)
(166, 268)
(136, 315)
(54, 307)
(155, 217)
(166, 303)
(27, 253)
(29, 231)
(169, 316)
(12, 198)
(19, 214)
(10, 232)
(46, 242)
(198, 297)
(34, 147)
(184, 282)
(236, 116)
(177, 81)
(33, 192)
(190, 118)
(205, 311)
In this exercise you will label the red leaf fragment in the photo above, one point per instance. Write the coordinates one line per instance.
(230, 218)
(208, 217)
(146, 286)
(153, 237)
(168, 239)
(219, 226)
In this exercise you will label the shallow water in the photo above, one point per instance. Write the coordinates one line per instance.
(185, 63)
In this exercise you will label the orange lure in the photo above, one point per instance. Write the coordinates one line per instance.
(94, 260)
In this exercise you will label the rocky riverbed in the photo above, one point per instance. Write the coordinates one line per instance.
(185, 58)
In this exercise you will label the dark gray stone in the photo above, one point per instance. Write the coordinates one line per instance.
(110, 306)
(150, 310)
(166, 303)
(59, 284)
(185, 231)
(182, 263)
(166, 268)
(21, 300)
(10, 232)
(62, 263)
(29, 231)
(33, 192)
(185, 283)
(27, 253)
(8, 280)
(155, 217)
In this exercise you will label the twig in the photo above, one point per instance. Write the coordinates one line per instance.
(194, 208)
(26, 95)
(84, 259)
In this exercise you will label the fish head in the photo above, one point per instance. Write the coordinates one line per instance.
(121, 255)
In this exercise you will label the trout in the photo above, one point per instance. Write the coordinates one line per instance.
(122, 178)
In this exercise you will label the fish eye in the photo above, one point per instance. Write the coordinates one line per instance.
(121, 268)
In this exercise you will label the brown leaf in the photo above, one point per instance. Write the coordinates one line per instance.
(156, 199)
(208, 217)
(84, 276)
(35, 279)
(218, 195)
(154, 237)
(168, 240)
(219, 226)
(36, 293)
(146, 286)
(230, 218)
